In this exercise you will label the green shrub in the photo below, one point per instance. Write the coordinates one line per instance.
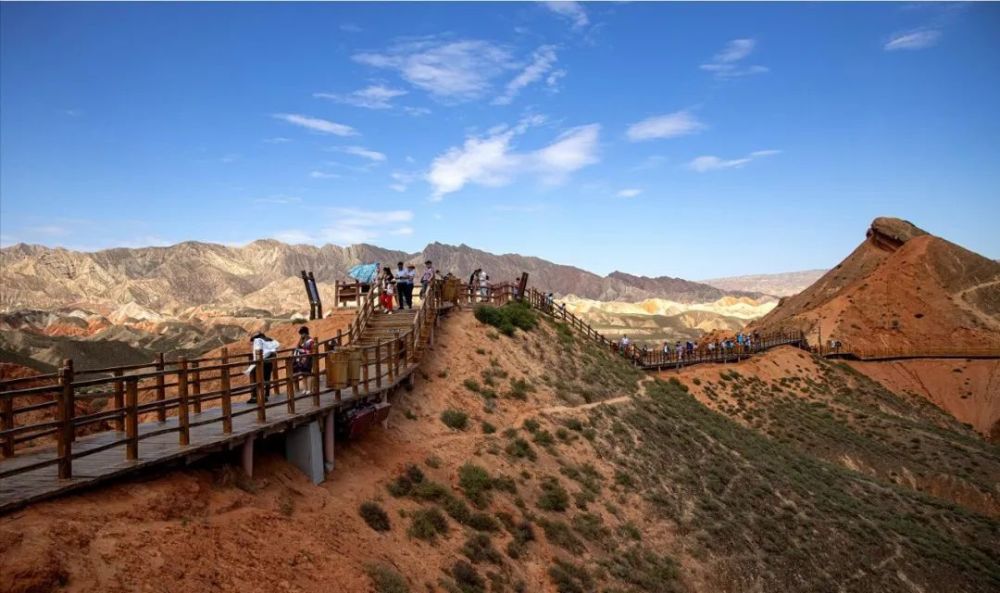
(521, 449)
(479, 548)
(591, 527)
(427, 523)
(456, 509)
(386, 579)
(429, 490)
(504, 483)
(531, 425)
(375, 516)
(482, 522)
(569, 578)
(520, 388)
(488, 428)
(472, 385)
(573, 424)
(561, 535)
(508, 317)
(554, 497)
(467, 578)
(455, 419)
(475, 482)
(544, 438)
(403, 484)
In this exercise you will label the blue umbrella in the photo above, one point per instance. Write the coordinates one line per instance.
(365, 273)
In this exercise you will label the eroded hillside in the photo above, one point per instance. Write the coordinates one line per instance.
(540, 462)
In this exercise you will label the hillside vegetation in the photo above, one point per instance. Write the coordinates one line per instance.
(539, 462)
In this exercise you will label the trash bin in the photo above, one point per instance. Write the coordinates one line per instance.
(354, 366)
(339, 370)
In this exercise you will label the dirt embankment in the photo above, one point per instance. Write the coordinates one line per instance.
(210, 529)
(969, 390)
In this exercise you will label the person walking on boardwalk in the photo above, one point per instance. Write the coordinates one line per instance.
(268, 349)
(474, 284)
(303, 362)
(426, 278)
(400, 281)
(484, 288)
(408, 277)
(388, 283)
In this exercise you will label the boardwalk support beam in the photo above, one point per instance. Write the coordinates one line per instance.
(304, 450)
(328, 442)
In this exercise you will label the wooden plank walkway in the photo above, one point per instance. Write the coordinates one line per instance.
(206, 436)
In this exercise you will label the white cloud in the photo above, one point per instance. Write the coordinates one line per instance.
(230, 158)
(707, 163)
(402, 180)
(277, 140)
(364, 153)
(491, 160)
(376, 96)
(735, 50)
(316, 124)
(541, 63)
(679, 123)
(352, 225)
(572, 11)
(278, 199)
(451, 71)
(323, 175)
(397, 187)
(918, 39)
(727, 63)
(350, 28)
(628, 193)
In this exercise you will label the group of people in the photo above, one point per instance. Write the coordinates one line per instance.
(267, 348)
(479, 281)
(400, 285)
(743, 343)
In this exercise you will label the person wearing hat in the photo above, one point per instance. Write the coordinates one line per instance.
(269, 351)
(426, 278)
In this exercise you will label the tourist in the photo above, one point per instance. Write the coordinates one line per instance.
(400, 281)
(303, 362)
(388, 283)
(409, 275)
(625, 341)
(268, 351)
(426, 278)
(474, 284)
(484, 288)
(666, 350)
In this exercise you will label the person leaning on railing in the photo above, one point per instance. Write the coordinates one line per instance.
(268, 349)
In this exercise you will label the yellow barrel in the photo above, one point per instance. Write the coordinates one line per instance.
(339, 369)
(354, 366)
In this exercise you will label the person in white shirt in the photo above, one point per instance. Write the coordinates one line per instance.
(269, 351)
(426, 278)
(484, 287)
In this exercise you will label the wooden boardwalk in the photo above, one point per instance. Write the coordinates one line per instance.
(48, 456)
(160, 446)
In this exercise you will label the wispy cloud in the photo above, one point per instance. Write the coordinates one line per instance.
(629, 192)
(277, 140)
(571, 11)
(918, 39)
(278, 199)
(323, 175)
(316, 124)
(728, 62)
(679, 123)
(350, 28)
(347, 226)
(450, 71)
(707, 163)
(492, 161)
(542, 62)
(231, 158)
(364, 153)
(376, 96)
(402, 180)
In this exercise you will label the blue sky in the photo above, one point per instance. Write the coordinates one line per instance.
(659, 139)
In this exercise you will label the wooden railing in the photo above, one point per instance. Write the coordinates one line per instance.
(36, 410)
(986, 351)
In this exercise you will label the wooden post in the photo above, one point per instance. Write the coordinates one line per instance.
(132, 419)
(364, 366)
(183, 422)
(227, 397)
(259, 388)
(289, 386)
(196, 387)
(65, 446)
(7, 423)
(119, 401)
(390, 362)
(314, 379)
(328, 361)
(378, 363)
(161, 411)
